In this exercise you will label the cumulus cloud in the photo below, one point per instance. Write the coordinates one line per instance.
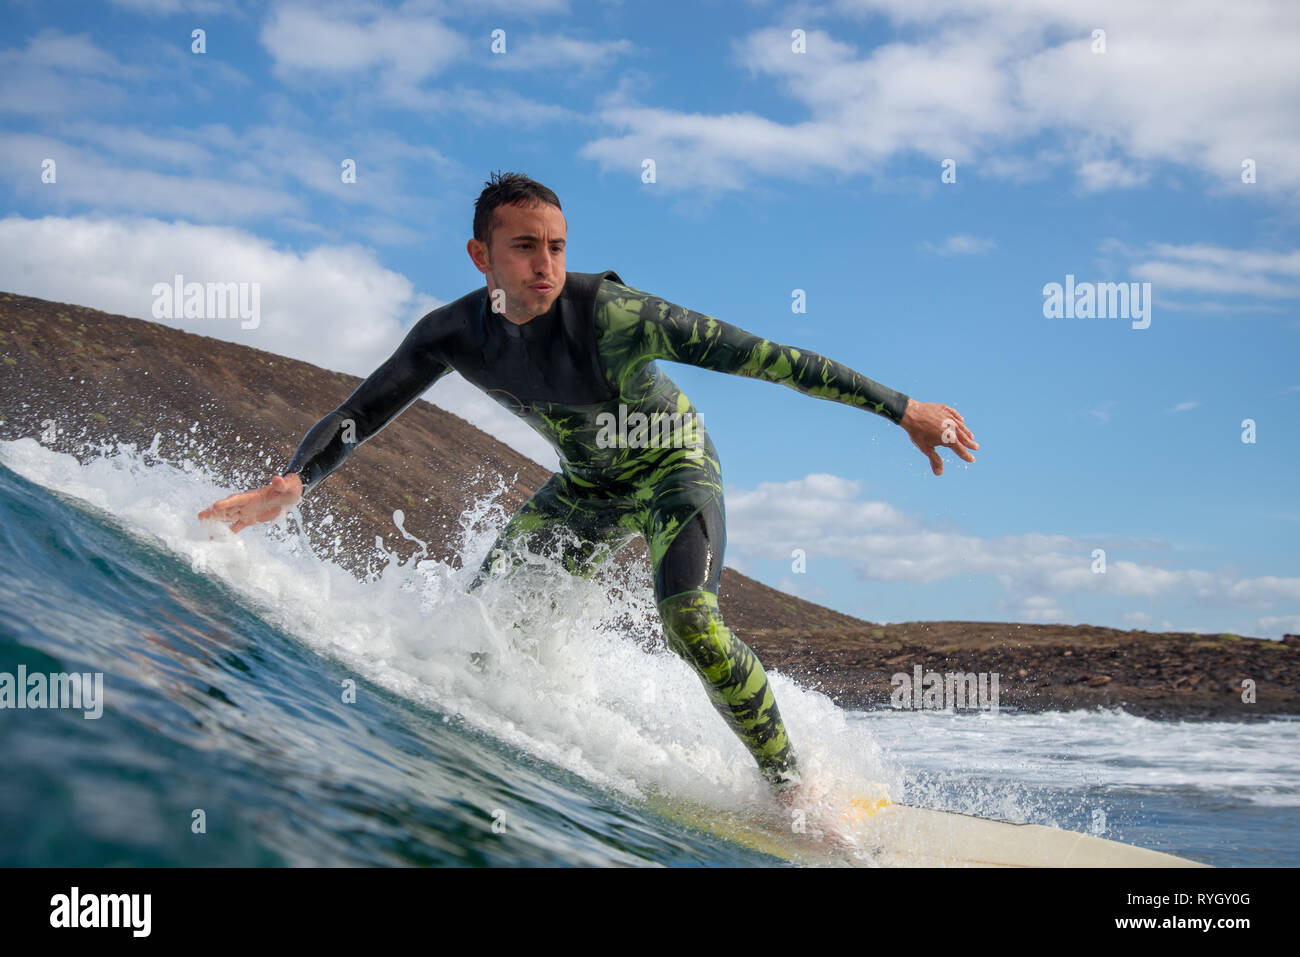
(826, 517)
(812, 513)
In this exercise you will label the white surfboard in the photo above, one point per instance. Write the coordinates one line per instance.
(900, 835)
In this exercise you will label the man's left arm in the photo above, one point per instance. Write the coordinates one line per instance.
(665, 330)
(678, 334)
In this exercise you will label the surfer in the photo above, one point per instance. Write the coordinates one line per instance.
(572, 354)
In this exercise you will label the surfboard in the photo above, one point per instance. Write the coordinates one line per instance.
(902, 835)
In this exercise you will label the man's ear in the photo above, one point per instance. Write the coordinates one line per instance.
(476, 251)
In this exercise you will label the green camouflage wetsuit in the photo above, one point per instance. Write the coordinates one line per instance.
(579, 374)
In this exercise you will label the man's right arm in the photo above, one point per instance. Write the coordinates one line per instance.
(384, 395)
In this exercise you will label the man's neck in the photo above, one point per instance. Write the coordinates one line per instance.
(513, 321)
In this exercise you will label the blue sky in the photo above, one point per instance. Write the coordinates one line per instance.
(775, 170)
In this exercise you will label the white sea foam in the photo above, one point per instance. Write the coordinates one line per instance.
(1252, 762)
(589, 686)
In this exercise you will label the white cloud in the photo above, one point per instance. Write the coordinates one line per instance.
(278, 172)
(815, 513)
(555, 53)
(1102, 410)
(58, 73)
(501, 108)
(1102, 174)
(1201, 268)
(823, 515)
(55, 50)
(1039, 608)
(333, 306)
(396, 54)
(1185, 406)
(1279, 625)
(801, 587)
(84, 176)
(169, 7)
(405, 48)
(961, 246)
(1181, 84)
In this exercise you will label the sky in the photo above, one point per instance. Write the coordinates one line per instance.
(917, 172)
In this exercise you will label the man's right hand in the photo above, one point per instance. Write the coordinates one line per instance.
(264, 504)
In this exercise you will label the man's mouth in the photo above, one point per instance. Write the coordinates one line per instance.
(541, 287)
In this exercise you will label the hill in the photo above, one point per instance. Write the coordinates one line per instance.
(101, 376)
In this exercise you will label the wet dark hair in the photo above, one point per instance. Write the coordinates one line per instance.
(502, 189)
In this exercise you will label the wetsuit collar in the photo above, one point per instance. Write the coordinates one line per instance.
(530, 329)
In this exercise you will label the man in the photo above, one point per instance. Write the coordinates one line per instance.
(573, 355)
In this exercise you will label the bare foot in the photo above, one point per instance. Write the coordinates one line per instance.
(815, 810)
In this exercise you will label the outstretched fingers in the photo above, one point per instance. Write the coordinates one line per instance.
(241, 509)
(228, 504)
(936, 463)
(954, 435)
(957, 434)
(929, 451)
(961, 446)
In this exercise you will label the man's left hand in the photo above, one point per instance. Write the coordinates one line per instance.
(932, 424)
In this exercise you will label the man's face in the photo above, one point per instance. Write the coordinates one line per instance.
(526, 259)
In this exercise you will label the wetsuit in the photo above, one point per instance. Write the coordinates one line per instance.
(579, 374)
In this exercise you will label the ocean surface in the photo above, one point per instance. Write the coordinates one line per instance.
(262, 706)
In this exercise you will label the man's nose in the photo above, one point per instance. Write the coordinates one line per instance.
(544, 262)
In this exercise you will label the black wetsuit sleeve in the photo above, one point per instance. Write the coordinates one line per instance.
(658, 329)
(384, 395)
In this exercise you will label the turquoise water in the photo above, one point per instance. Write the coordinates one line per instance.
(227, 667)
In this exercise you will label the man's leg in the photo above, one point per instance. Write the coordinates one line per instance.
(554, 521)
(687, 568)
